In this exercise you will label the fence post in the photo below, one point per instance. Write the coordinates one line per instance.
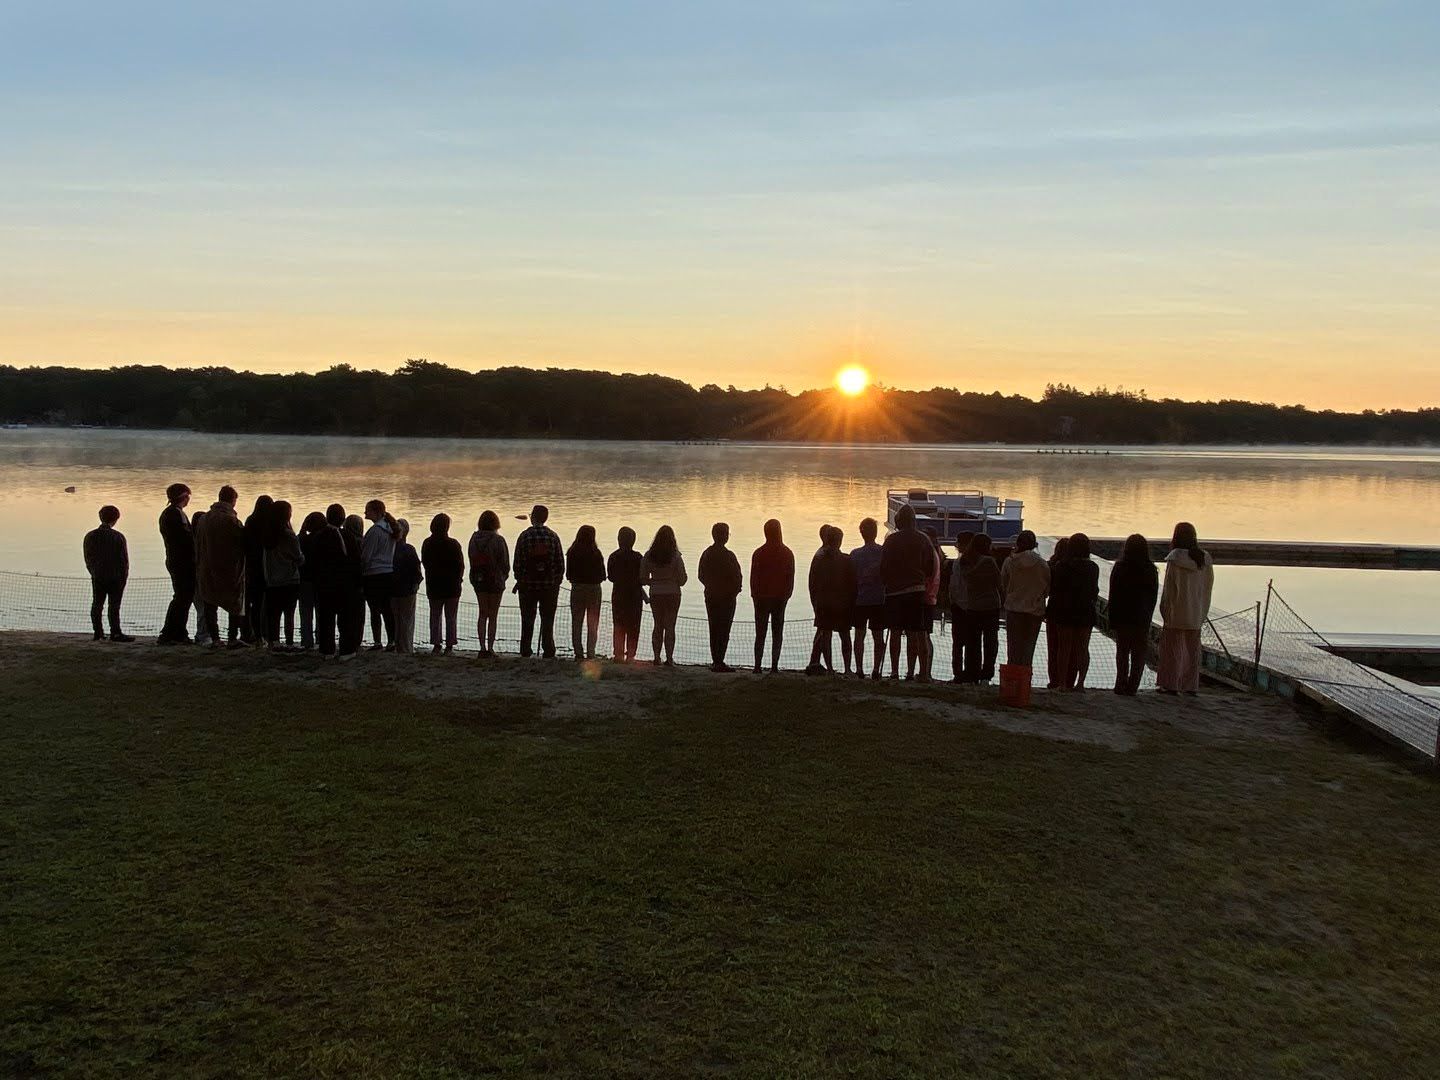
(1263, 625)
(1255, 674)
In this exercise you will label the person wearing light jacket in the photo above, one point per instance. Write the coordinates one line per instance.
(975, 604)
(1024, 584)
(377, 575)
(1184, 607)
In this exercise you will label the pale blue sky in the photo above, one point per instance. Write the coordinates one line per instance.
(1208, 200)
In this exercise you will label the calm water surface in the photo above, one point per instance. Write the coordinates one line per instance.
(1272, 493)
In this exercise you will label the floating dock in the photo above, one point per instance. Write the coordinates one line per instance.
(1298, 553)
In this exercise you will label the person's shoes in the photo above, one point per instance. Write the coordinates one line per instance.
(390, 647)
(757, 669)
(238, 645)
(376, 647)
(814, 669)
(549, 656)
(721, 668)
(774, 669)
(345, 657)
(435, 650)
(874, 676)
(99, 636)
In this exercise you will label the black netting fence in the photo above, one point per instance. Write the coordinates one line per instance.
(62, 604)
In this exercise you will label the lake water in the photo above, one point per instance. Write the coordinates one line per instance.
(1272, 493)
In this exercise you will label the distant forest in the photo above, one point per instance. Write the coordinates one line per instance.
(428, 399)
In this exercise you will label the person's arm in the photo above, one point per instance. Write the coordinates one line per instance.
(124, 556)
(812, 582)
(789, 574)
(88, 548)
(704, 571)
(738, 583)
(520, 567)
(680, 576)
(1167, 594)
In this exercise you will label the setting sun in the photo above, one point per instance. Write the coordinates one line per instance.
(852, 380)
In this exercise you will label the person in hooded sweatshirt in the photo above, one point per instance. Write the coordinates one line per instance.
(1024, 585)
(772, 582)
(627, 597)
(257, 526)
(1052, 629)
(1134, 586)
(405, 585)
(220, 563)
(1074, 588)
(356, 600)
(1184, 607)
(489, 557)
(377, 554)
(444, 564)
(720, 577)
(585, 570)
(832, 597)
(975, 603)
(107, 558)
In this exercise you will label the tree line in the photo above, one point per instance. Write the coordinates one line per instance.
(423, 398)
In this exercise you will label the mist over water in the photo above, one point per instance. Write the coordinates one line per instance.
(1302, 493)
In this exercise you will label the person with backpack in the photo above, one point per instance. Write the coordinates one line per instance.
(309, 528)
(585, 570)
(444, 565)
(334, 555)
(256, 526)
(220, 563)
(539, 570)
(489, 570)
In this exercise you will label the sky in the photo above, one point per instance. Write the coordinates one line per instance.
(1198, 200)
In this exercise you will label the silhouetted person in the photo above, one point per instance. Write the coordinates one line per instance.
(663, 570)
(1134, 588)
(772, 582)
(720, 577)
(255, 527)
(832, 598)
(539, 570)
(933, 601)
(405, 584)
(179, 564)
(1052, 632)
(377, 553)
(1184, 607)
(202, 633)
(1074, 588)
(975, 609)
(627, 598)
(220, 567)
(354, 530)
(868, 614)
(585, 570)
(309, 528)
(444, 564)
(907, 560)
(282, 561)
(334, 556)
(489, 570)
(1024, 585)
(107, 558)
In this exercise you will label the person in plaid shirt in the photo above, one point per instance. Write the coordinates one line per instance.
(539, 566)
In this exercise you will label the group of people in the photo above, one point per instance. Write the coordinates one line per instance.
(337, 567)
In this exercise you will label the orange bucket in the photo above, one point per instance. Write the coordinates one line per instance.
(1014, 685)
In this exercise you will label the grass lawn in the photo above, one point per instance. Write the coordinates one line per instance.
(239, 865)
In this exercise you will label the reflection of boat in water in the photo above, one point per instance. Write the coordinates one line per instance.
(956, 515)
